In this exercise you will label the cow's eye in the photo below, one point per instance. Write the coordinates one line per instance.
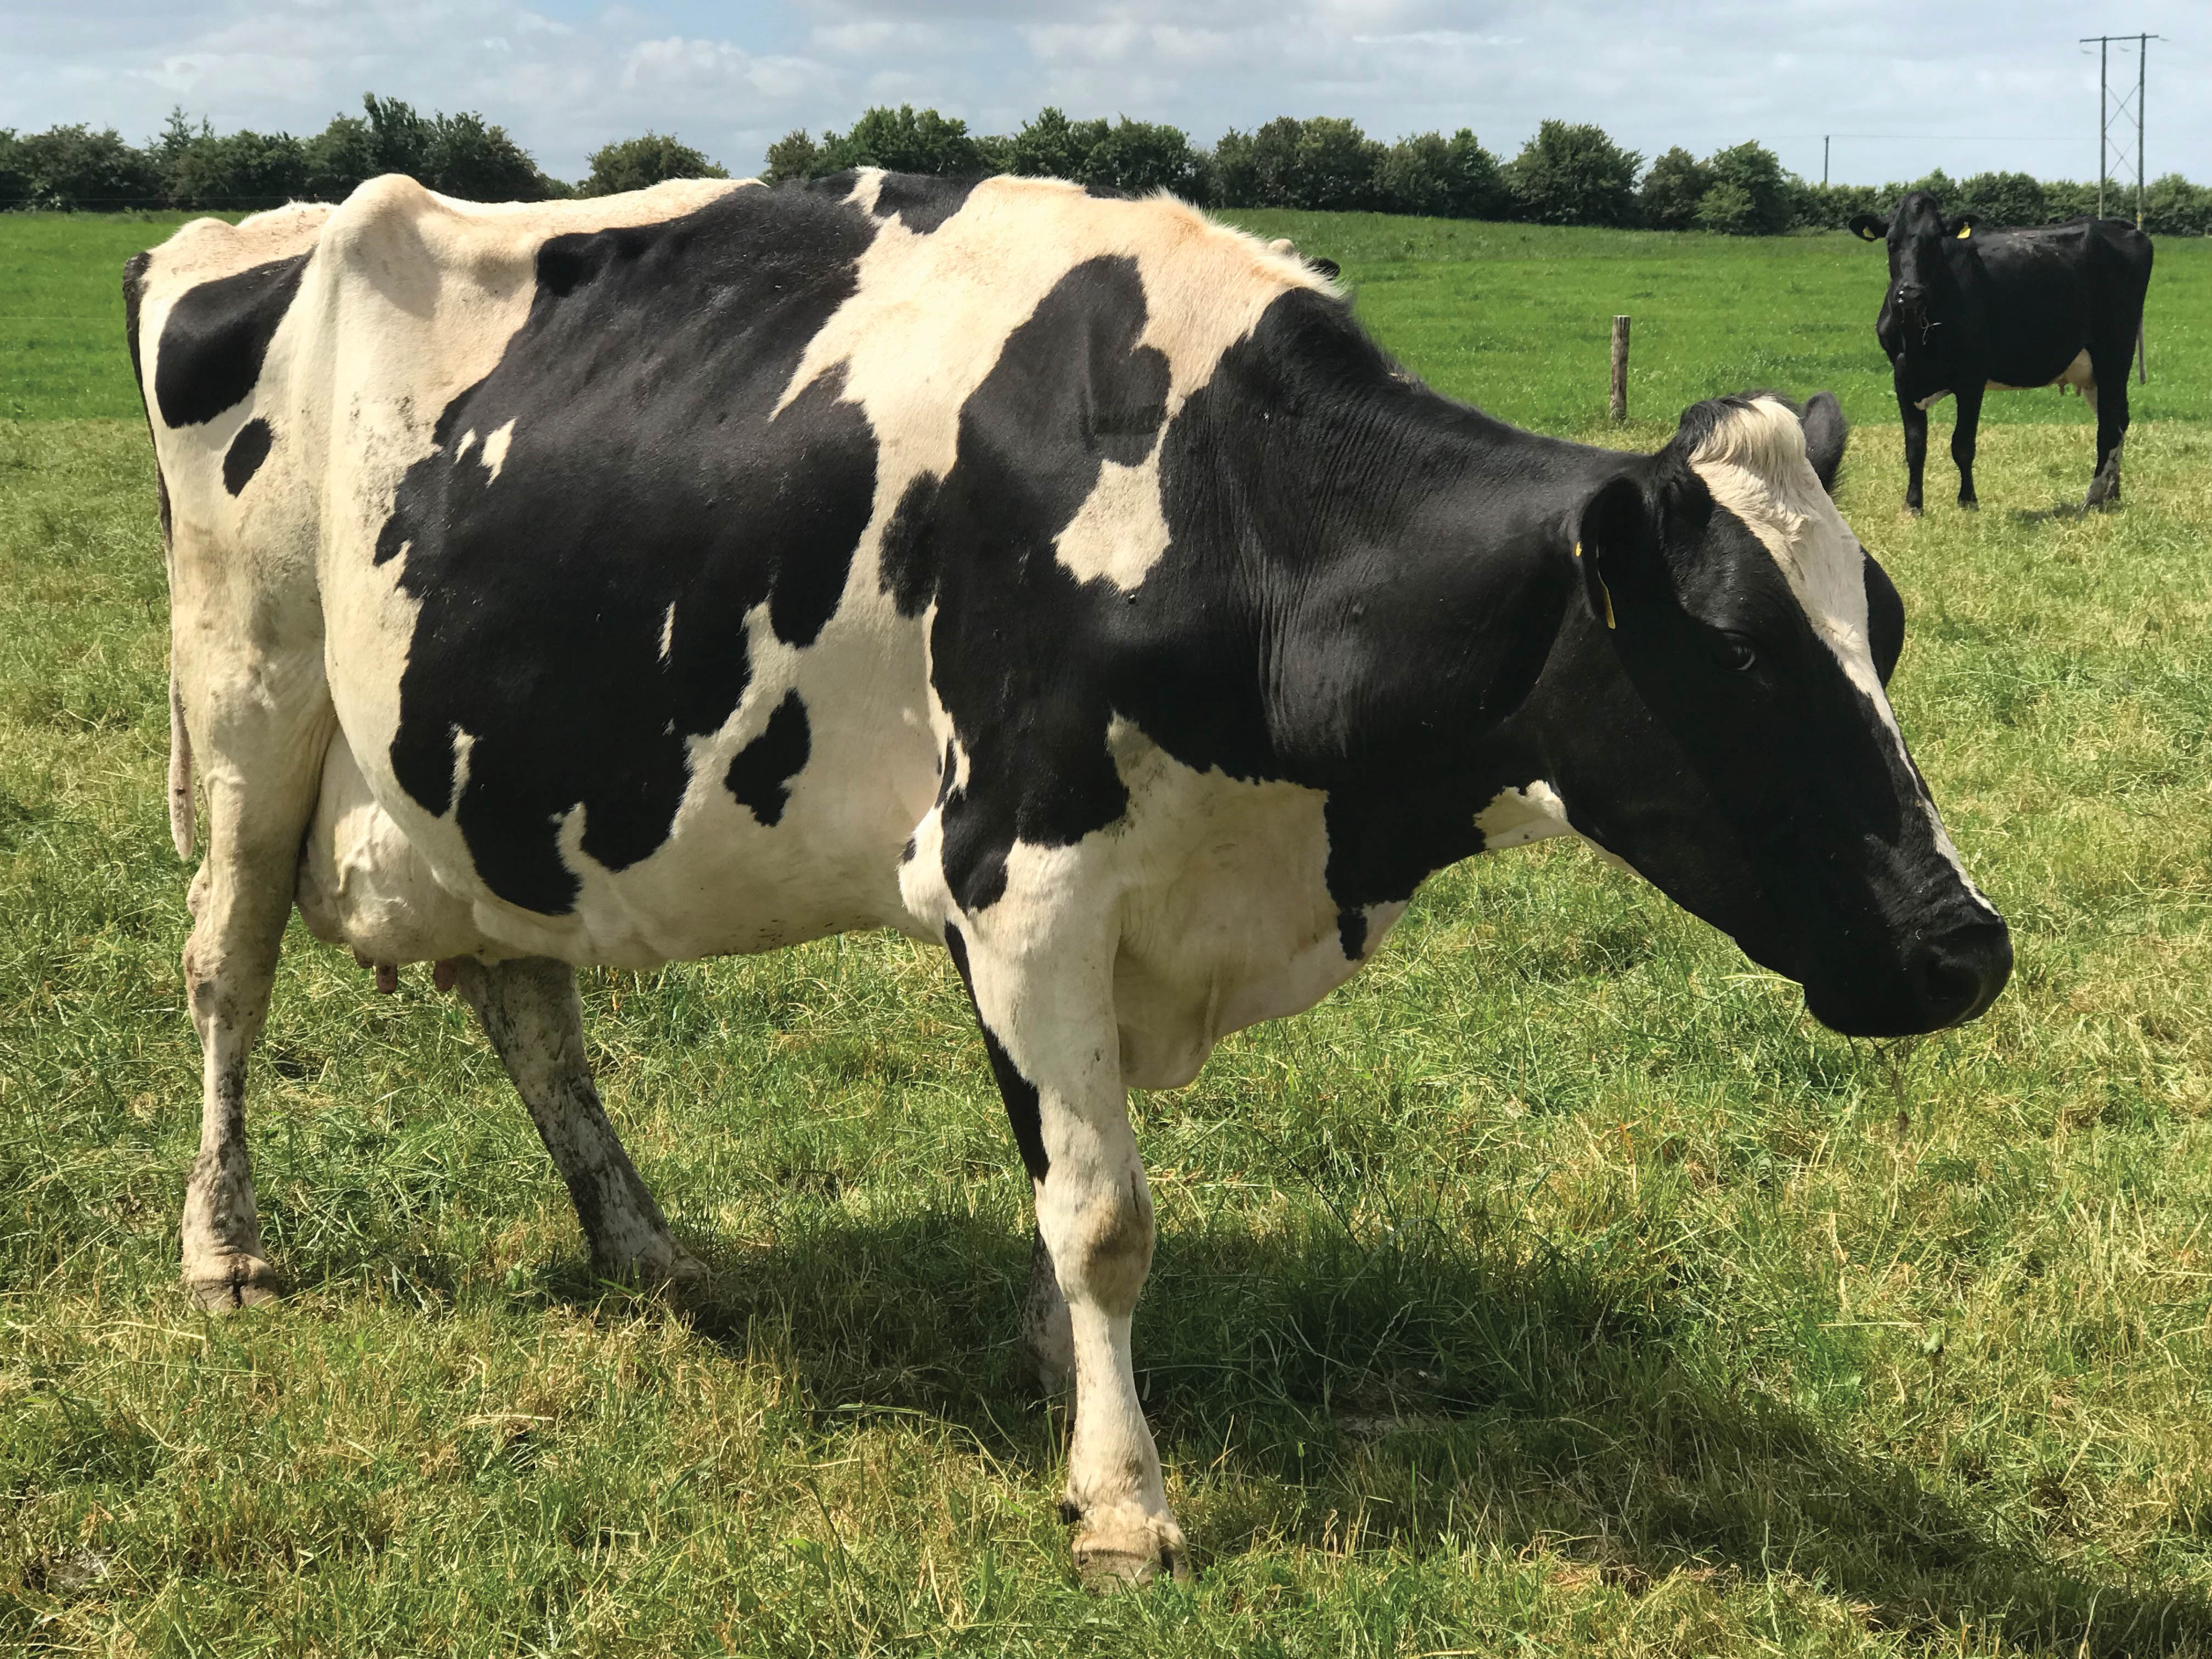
(1735, 653)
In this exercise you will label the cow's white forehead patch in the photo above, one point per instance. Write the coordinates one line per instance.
(1754, 464)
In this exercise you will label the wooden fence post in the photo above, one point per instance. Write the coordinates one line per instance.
(1620, 368)
(2142, 360)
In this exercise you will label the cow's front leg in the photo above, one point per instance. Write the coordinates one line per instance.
(1963, 432)
(1915, 447)
(1045, 1330)
(1046, 1009)
(531, 1013)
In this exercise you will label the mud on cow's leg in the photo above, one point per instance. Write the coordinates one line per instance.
(535, 1021)
(2107, 396)
(1046, 1007)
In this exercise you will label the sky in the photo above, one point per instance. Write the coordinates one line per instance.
(1904, 85)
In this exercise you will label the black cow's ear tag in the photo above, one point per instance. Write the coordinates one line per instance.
(1965, 231)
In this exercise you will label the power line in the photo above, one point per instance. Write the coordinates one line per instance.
(2111, 110)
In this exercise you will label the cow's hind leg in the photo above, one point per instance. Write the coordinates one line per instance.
(531, 1013)
(2107, 394)
(262, 731)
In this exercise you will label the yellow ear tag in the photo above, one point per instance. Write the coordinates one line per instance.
(1965, 231)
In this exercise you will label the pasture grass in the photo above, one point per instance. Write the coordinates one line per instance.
(1518, 318)
(1558, 1285)
(1514, 318)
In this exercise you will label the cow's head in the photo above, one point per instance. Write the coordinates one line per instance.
(1922, 283)
(1751, 766)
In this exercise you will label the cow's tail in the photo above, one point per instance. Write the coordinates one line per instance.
(180, 741)
(180, 772)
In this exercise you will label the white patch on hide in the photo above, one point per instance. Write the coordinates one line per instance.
(1119, 532)
(1518, 816)
(865, 189)
(668, 630)
(495, 451)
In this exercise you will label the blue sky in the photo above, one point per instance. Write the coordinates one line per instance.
(1908, 84)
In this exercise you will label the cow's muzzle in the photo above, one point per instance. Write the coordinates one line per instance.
(1912, 305)
(1946, 979)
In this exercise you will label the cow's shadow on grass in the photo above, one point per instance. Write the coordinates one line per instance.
(1433, 1388)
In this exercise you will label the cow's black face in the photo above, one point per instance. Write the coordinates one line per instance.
(1924, 289)
(1747, 761)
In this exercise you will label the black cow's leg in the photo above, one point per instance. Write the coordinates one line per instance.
(1916, 448)
(1963, 431)
(2108, 397)
(530, 1012)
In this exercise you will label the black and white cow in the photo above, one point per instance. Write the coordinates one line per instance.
(1065, 581)
(1970, 309)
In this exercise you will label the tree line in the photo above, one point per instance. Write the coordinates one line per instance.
(75, 168)
(1567, 173)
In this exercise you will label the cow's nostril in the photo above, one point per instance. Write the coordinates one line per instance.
(1959, 974)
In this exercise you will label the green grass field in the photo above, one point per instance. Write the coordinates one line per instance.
(1556, 1287)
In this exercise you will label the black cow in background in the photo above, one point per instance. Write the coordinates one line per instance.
(1971, 308)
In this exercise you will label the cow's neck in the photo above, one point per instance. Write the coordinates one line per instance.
(1429, 567)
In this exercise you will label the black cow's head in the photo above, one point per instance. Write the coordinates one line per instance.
(1751, 766)
(1923, 280)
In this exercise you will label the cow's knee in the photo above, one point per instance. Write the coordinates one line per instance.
(1100, 1236)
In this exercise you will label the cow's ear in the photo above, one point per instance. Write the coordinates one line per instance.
(1825, 434)
(1868, 228)
(1964, 225)
(1884, 619)
(1618, 547)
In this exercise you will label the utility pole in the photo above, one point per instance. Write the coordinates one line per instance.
(1824, 158)
(2109, 110)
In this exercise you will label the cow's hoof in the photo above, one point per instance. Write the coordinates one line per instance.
(1968, 504)
(684, 1276)
(1124, 1546)
(226, 1284)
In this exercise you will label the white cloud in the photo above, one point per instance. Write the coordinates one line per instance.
(1981, 83)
